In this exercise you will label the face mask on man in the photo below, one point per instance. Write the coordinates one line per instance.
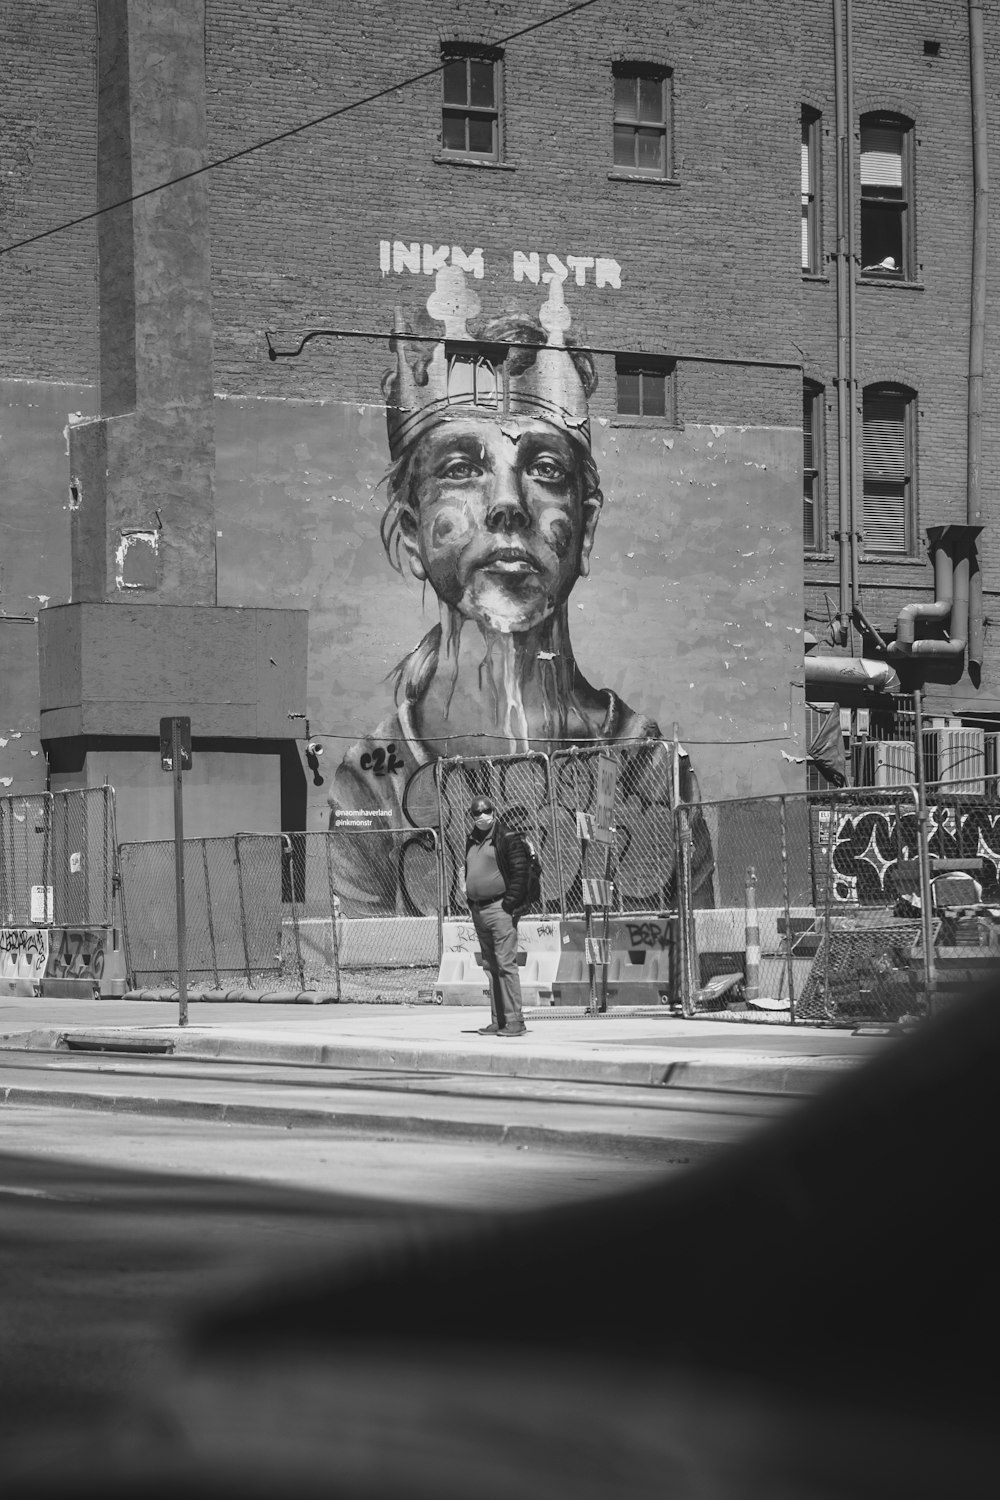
(484, 822)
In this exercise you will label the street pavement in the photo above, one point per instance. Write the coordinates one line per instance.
(651, 1086)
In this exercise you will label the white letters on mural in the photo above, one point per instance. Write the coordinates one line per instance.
(399, 257)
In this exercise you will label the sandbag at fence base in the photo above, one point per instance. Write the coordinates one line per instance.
(239, 996)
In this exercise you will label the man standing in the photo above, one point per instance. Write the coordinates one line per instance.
(497, 875)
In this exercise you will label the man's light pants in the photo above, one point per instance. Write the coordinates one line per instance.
(498, 941)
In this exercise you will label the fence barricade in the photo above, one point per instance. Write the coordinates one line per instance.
(819, 892)
(289, 916)
(60, 922)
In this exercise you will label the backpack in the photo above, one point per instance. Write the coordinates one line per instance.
(534, 867)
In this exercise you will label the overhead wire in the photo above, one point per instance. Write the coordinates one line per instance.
(285, 135)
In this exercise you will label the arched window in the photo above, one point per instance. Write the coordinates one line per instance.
(812, 466)
(887, 197)
(889, 501)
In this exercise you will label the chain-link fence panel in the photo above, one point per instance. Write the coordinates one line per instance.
(233, 900)
(331, 939)
(58, 858)
(816, 918)
(520, 787)
(643, 855)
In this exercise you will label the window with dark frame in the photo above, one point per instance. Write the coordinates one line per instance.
(470, 108)
(810, 190)
(812, 466)
(646, 386)
(642, 119)
(889, 441)
(887, 197)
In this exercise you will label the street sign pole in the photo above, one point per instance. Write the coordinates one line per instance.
(175, 757)
(175, 746)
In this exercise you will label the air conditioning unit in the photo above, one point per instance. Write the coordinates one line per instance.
(992, 747)
(890, 763)
(961, 755)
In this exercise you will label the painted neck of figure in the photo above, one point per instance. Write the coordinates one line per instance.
(515, 690)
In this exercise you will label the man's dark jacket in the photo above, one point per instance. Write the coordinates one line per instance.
(512, 862)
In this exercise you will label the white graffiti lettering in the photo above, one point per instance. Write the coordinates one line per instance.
(402, 257)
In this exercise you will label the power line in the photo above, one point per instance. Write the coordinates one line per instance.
(422, 338)
(285, 135)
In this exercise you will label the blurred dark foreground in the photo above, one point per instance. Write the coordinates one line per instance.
(813, 1314)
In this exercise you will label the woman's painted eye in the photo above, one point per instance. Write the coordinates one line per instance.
(547, 469)
(460, 468)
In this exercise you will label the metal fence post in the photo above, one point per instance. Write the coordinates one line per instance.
(827, 931)
(789, 965)
(556, 840)
(439, 865)
(923, 841)
(243, 909)
(335, 936)
(208, 913)
(685, 922)
(288, 852)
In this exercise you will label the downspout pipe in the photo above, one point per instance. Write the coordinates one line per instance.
(852, 342)
(977, 320)
(843, 264)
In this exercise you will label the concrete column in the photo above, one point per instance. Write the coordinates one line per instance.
(143, 473)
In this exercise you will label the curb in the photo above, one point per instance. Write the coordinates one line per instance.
(658, 1150)
(801, 1077)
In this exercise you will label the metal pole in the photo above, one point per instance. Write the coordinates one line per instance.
(208, 910)
(175, 751)
(789, 966)
(923, 845)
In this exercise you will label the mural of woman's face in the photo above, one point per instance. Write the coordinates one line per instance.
(501, 529)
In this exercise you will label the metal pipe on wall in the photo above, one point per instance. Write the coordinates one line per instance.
(852, 363)
(843, 264)
(977, 319)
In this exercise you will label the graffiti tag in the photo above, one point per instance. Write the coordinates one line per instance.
(24, 952)
(381, 762)
(648, 935)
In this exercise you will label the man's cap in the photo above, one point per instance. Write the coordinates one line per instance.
(480, 806)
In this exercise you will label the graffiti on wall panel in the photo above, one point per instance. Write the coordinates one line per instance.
(493, 498)
(869, 845)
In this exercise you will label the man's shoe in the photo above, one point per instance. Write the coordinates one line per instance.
(491, 1030)
(512, 1031)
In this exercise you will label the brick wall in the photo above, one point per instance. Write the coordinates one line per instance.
(47, 145)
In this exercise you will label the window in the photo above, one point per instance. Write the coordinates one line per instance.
(812, 466)
(646, 386)
(642, 120)
(889, 490)
(886, 197)
(470, 111)
(810, 191)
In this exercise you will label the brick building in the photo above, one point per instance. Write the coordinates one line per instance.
(194, 444)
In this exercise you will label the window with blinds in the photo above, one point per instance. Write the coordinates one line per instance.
(810, 191)
(642, 119)
(471, 102)
(886, 208)
(812, 443)
(888, 501)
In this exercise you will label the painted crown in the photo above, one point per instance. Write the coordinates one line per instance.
(463, 371)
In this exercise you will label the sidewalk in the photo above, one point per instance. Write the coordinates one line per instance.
(638, 1050)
